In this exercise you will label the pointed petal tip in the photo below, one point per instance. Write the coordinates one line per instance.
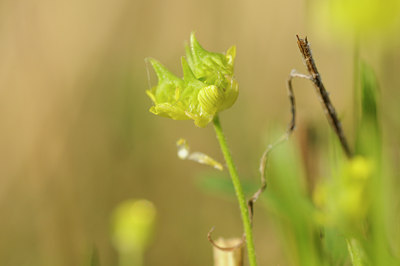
(151, 60)
(187, 71)
(155, 63)
(158, 67)
(194, 43)
(192, 36)
(231, 55)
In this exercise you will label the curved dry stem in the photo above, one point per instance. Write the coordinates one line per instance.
(270, 147)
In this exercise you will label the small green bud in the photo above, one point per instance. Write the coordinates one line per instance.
(207, 86)
(133, 225)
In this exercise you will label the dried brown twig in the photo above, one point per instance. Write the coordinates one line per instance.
(264, 162)
(315, 78)
(270, 147)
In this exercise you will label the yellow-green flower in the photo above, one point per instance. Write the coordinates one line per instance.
(207, 86)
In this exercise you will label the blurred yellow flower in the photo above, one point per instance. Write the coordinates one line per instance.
(360, 168)
(344, 200)
(359, 17)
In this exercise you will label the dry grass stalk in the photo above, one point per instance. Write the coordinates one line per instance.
(232, 257)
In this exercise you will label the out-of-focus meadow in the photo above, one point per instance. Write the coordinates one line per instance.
(77, 139)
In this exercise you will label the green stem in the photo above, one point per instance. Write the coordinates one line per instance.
(239, 191)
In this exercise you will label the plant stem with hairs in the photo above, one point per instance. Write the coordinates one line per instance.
(239, 191)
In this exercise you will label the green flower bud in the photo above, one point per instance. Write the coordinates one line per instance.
(207, 86)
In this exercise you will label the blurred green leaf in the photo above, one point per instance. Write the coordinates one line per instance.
(291, 208)
(335, 247)
(368, 142)
(218, 183)
(369, 85)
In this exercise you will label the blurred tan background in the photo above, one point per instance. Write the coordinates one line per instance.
(76, 137)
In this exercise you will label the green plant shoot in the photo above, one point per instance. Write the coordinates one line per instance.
(207, 87)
